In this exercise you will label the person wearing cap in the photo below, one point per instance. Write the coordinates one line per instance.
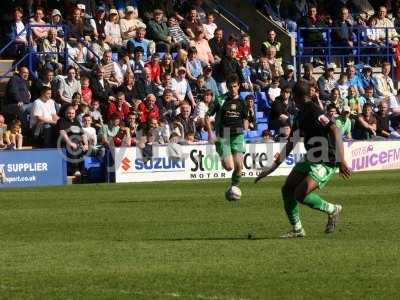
(210, 82)
(130, 24)
(88, 6)
(99, 22)
(326, 82)
(181, 87)
(112, 30)
(159, 33)
(140, 41)
(343, 122)
(57, 20)
(287, 80)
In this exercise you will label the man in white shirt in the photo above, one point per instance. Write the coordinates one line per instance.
(44, 118)
(181, 87)
(385, 88)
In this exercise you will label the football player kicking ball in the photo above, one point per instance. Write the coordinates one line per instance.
(230, 122)
(325, 154)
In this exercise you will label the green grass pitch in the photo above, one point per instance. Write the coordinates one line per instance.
(182, 240)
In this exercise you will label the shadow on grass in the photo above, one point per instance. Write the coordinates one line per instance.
(252, 238)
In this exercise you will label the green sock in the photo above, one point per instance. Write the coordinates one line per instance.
(291, 209)
(235, 178)
(316, 202)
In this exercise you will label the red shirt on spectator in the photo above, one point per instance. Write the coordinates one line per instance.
(146, 114)
(155, 71)
(243, 51)
(122, 111)
(87, 95)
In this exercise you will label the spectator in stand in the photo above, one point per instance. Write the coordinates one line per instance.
(308, 76)
(365, 125)
(194, 65)
(189, 5)
(145, 85)
(128, 88)
(56, 19)
(166, 65)
(87, 95)
(298, 9)
(166, 83)
(180, 61)
(99, 46)
(113, 73)
(96, 115)
(101, 88)
(100, 22)
(17, 32)
(52, 43)
(250, 113)
(38, 33)
(47, 79)
(181, 87)
(244, 49)
(78, 28)
(154, 66)
(281, 110)
(385, 88)
(140, 41)
(179, 38)
(109, 131)
(354, 102)
(313, 39)
(335, 99)
(18, 98)
(198, 89)
(327, 82)
(201, 44)
(343, 122)
(132, 129)
(369, 97)
(343, 86)
(112, 30)
(217, 45)
(167, 105)
(202, 108)
(124, 62)
(343, 37)
(262, 75)
(148, 109)
(353, 79)
(137, 64)
(190, 23)
(69, 86)
(13, 137)
(130, 24)
(3, 130)
(209, 81)
(274, 65)
(43, 119)
(159, 33)
(384, 22)
(271, 42)
(273, 90)
(209, 26)
(184, 121)
(366, 78)
(246, 72)
(287, 80)
(383, 120)
(228, 66)
(119, 106)
(72, 137)
(90, 133)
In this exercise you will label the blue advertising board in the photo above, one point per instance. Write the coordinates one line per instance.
(29, 168)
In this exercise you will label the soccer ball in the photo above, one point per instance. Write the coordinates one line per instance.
(233, 193)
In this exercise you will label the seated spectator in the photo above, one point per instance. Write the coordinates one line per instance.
(145, 85)
(262, 75)
(119, 107)
(97, 118)
(365, 125)
(274, 64)
(288, 80)
(191, 23)
(17, 32)
(52, 43)
(112, 30)
(113, 73)
(132, 129)
(283, 133)
(46, 79)
(331, 111)
(3, 130)
(217, 45)
(274, 90)
(166, 83)
(87, 95)
(209, 81)
(180, 61)
(198, 89)
(124, 62)
(137, 65)
(343, 122)
(382, 120)
(354, 102)
(244, 49)
(109, 131)
(327, 82)
(343, 86)
(271, 42)
(281, 110)
(129, 89)
(90, 133)
(167, 105)
(56, 19)
(369, 97)
(201, 44)
(100, 87)
(179, 38)
(184, 121)
(160, 131)
(38, 33)
(130, 24)
(148, 109)
(43, 119)
(159, 33)
(99, 21)
(181, 87)
(13, 137)
(314, 96)
(167, 65)
(72, 137)
(343, 38)
(79, 28)
(140, 41)
(384, 22)
(209, 27)
(229, 66)
(99, 46)
(385, 88)
(154, 66)
(335, 99)
(18, 99)
(202, 108)
(366, 78)
(250, 113)
(194, 65)
(353, 79)
(308, 76)
(69, 86)
(246, 72)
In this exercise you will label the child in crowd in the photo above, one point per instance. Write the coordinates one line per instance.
(262, 75)
(353, 101)
(13, 137)
(83, 109)
(209, 27)
(246, 72)
(89, 130)
(166, 65)
(87, 94)
(274, 89)
(198, 89)
(174, 150)
(244, 49)
(343, 86)
(3, 129)
(194, 65)
(95, 113)
(250, 114)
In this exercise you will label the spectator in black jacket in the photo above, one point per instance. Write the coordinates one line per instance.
(287, 80)
(343, 36)
(217, 45)
(145, 85)
(167, 105)
(18, 98)
(46, 80)
(100, 87)
(382, 120)
(228, 66)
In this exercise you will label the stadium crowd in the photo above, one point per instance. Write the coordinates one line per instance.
(146, 75)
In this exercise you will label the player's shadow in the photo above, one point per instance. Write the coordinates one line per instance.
(210, 239)
(144, 201)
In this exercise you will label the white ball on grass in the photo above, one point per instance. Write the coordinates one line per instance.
(233, 193)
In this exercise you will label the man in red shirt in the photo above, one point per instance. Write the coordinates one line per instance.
(154, 66)
(119, 107)
(148, 110)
